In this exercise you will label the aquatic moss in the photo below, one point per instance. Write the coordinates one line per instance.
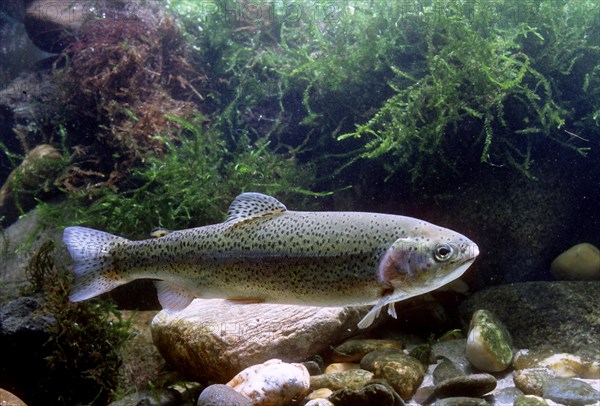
(83, 352)
(191, 184)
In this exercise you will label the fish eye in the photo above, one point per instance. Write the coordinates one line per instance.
(443, 252)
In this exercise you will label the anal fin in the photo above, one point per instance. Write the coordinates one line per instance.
(245, 300)
(173, 297)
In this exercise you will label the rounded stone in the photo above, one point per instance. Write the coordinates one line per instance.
(322, 393)
(272, 383)
(352, 379)
(355, 350)
(375, 394)
(446, 370)
(460, 401)
(530, 400)
(580, 262)
(474, 385)
(403, 372)
(319, 402)
(8, 399)
(565, 365)
(531, 380)
(341, 367)
(489, 346)
(218, 395)
(571, 392)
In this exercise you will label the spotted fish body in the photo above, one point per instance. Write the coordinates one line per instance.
(266, 253)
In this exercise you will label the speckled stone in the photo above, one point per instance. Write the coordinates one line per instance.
(563, 364)
(531, 380)
(505, 396)
(580, 262)
(530, 400)
(454, 350)
(489, 345)
(570, 392)
(272, 383)
(355, 350)
(401, 371)
(319, 402)
(446, 370)
(460, 401)
(373, 394)
(218, 395)
(340, 367)
(474, 385)
(8, 399)
(322, 393)
(352, 379)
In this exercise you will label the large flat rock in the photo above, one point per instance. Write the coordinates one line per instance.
(213, 339)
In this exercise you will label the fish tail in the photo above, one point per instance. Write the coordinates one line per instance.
(92, 262)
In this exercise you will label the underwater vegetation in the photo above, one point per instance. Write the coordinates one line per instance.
(78, 358)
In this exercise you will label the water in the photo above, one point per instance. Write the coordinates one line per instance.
(479, 116)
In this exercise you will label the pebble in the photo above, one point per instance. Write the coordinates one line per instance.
(531, 380)
(218, 395)
(322, 393)
(474, 385)
(272, 383)
(580, 262)
(446, 370)
(530, 400)
(373, 394)
(341, 367)
(505, 396)
(565, 365)
(355, 350)
(319, 402)
(489, 345)
(403, 372)
(460, 401)
(313, 367)
(570, 392)
(352, 379)
(454, 350)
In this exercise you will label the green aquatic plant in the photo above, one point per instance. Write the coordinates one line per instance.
(83, 351)
(192, 184)
(482, 93)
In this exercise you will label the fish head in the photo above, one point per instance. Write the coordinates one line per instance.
(419, 264)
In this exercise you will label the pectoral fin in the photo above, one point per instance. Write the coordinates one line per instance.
(172, 297)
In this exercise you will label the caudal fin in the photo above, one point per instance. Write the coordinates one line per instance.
(92, 262)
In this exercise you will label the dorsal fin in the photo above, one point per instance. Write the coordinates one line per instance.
(252, 205)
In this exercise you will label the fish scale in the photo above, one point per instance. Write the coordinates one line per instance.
(266, 253)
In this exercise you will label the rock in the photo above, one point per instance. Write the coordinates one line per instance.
(215, 339)
(8, 399)
(505, 396)
(570, 392)
(454, 350)
(460, 401)
(564, 314)
(530, 400)
(446, 370)
(272, 383)
(340, 367)
(474, 385)
(53, 24)
(218, 395)
(322, 393)
(488, 343)
(403, 372)
(313, 367)
(563, 364)
(423, 354)
(319, 402)
(352, 379)
(355, 350)
(580, 262)
(34, 177)
(373, 394)
(531, 380)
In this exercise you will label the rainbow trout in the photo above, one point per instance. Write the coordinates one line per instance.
(266, 253)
